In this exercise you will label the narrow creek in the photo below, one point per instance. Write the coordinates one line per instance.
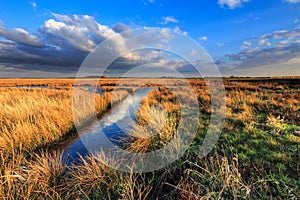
(111, 126)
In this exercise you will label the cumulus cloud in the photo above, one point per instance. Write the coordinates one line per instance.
(169, 19)
(232, 4)
(203, 38)
(292, 1)
(63, 41)
(21, 36)
(119, 28)
(178, 30)
(80, 32)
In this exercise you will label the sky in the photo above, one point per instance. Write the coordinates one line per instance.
(241, 37)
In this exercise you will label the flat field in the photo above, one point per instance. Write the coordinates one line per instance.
(256, 157)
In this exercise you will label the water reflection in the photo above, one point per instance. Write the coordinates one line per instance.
(107, 131)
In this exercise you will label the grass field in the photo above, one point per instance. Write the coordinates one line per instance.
(256, 157)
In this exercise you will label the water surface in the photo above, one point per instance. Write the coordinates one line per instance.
(106, 132)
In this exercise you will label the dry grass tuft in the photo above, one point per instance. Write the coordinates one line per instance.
(216, 178)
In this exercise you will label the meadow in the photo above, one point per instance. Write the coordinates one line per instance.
(256, 156)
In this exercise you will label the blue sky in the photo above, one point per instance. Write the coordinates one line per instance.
(244, 37)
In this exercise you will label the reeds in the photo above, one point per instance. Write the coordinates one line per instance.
(256, 157)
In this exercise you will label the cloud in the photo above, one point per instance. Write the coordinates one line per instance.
(33, 4)
(292, 1)
(169, 19)
(232, 4)
(220, 44)
(278, 37)
(203, 38)
(281, 34)
(246, 44)
(119, 28)
(256, 57)
(277, 69)
(63, 41)
(283, 42)
(148, 1)
(21, 36)
(80, 32)
(267, 51)
(178, 30)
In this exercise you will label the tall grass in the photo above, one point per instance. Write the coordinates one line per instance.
(156, 122)
(33, 117)
(257, 156)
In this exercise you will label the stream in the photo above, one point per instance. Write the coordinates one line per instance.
(111, 126)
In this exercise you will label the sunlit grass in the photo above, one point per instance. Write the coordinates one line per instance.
(256, 157)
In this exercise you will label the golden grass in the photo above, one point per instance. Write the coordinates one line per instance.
(39, 178)
(35, 118)
(30, 118)
(154, 128)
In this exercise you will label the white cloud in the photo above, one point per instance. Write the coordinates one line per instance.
(169, 19)
(292, 1)
(79, 31)
(145, 2)
(246, 44)
(232, 4)
(178, 30)
(282, 35)
(33, 4)
(296, 21)
(283, 42)
(63, 41)
(220, 44)
(262, 41)
(203, 38)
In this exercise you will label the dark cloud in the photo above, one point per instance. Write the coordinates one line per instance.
(119, 28)
(278, 47)
(268, 58)
(21, 36)
(61, 44)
